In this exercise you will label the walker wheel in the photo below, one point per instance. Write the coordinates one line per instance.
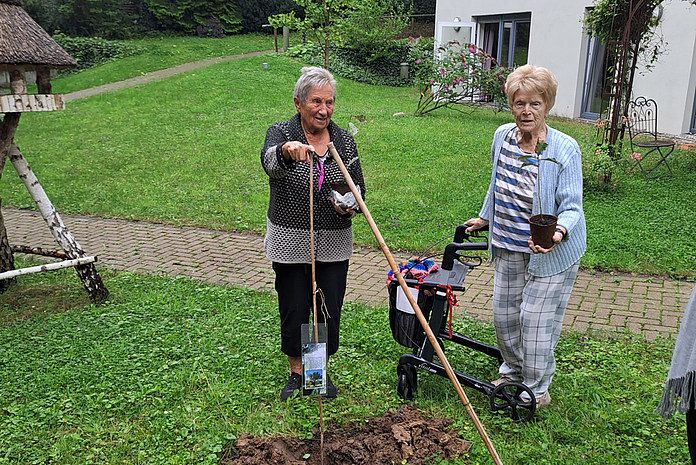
(407, 381)
(509, 395)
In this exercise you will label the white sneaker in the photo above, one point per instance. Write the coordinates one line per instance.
(544, 400)
(501, 380)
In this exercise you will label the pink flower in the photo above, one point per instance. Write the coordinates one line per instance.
(636, 156)
(418, 62)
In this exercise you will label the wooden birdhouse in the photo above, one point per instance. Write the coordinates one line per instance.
(28, 54)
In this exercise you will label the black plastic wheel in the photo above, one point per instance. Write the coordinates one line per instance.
(508, 395)
(407, 381)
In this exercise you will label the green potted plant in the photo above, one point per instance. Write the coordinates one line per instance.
(542, 226)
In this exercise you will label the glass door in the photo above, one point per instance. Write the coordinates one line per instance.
(595, 76)
(693, 118)
(448, 31)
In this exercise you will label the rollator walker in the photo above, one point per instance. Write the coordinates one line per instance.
(434, 296)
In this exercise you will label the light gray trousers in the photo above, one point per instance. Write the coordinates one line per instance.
(528, 317)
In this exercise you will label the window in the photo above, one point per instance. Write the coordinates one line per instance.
(506, 38)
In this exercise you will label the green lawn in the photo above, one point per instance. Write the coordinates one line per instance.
(161, 53)
(172, 371)
(185, 151)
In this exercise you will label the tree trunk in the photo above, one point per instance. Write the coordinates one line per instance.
(88, 273)
(6, 257)
(327, 23)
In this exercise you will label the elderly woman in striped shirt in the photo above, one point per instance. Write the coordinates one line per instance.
(532, 284)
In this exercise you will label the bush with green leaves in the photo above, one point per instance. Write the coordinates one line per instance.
(456, 74)
(370, 25)
(353, 64)
(92, 18)
(185, 17)
(90, 52)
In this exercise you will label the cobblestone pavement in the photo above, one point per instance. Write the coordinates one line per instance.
(649, 306)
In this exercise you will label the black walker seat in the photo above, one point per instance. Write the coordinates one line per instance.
(409, 333)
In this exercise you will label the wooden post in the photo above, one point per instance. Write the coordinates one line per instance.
(88, 273)
(18, 82)
(43, 80)
(8, 127)
(6, 257)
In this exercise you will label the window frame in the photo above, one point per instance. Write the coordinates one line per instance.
(515, 19)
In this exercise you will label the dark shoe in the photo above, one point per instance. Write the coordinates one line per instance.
(331, 392)
(293, 385)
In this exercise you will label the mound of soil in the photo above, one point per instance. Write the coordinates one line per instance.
(391, 438)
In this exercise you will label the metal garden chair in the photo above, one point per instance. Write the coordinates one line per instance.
(642, 132)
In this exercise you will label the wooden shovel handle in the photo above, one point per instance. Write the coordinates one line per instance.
(424, 323)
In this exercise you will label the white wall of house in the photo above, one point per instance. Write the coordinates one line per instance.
(557, 41)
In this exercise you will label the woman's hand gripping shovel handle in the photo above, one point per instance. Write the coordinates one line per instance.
(414, 305)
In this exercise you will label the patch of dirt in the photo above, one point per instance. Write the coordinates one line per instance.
(393, 438)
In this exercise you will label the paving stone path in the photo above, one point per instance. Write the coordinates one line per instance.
(649, 306)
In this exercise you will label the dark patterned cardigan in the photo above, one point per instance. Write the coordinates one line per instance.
(287, 224)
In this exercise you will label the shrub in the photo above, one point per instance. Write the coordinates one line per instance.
(601, 165)
(370, 25)
(185, 17)
(459, 73)
(353, 64)
(93, 18)
(89, 52)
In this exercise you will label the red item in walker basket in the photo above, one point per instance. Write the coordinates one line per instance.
(452, 301)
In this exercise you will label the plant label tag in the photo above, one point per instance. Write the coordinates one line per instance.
(402, 303)
(314, 358)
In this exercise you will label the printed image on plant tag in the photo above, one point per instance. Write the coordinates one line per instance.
(314, 363)
(314, 357)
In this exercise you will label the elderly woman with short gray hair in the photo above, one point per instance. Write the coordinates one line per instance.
(532, 284)
(292, 148)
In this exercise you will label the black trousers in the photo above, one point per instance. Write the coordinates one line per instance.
(294, 287)
(691, 432)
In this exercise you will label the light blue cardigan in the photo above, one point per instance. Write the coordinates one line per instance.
(561, 195)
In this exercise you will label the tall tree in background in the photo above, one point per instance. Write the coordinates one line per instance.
(370, 25)
(322, 19)
(364, 25)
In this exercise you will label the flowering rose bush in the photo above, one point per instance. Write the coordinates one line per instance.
(455, 74)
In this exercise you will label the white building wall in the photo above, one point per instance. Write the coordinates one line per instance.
(557, 42)
(672, 82)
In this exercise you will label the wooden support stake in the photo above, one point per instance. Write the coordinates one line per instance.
(88, 273)
(424, 323)
(38, 251)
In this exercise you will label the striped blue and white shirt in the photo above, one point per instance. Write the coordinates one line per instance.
(514, 196)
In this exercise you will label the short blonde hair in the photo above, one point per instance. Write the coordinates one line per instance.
(531, 78)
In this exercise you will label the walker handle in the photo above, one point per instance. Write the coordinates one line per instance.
(460, 234)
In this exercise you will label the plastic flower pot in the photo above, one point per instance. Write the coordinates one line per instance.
(543, 227)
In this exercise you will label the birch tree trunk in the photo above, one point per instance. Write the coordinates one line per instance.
(8, 127)
(6, 257)
(88, 273)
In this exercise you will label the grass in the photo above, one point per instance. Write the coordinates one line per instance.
(185, 151)
(171, 371)
(160, 53)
